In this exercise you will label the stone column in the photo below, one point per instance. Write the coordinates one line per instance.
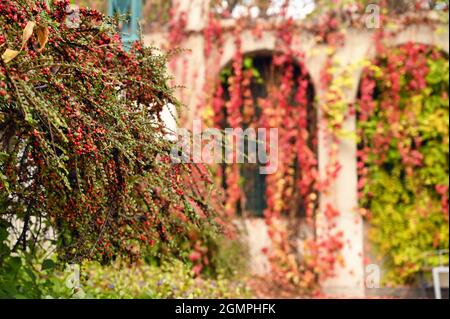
(343, 195)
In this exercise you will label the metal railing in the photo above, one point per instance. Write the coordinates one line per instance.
(438, 270)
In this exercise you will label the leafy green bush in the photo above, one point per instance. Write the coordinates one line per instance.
(172, 279)
(25, 275)
(35, 276)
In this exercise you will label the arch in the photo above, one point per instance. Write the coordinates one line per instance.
(362, 46)
(267, 41)
(372, 56)
(250, 44)
(422, 34)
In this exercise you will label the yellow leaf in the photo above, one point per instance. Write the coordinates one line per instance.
(42, 35)
(330, 50)
(27, 33)
(9, 55)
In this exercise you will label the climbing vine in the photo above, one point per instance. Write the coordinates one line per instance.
(293, 190)
(403, 157)
(228, 101)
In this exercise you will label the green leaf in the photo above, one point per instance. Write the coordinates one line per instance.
(15, 263)
(3, 233)
(30, 273)
(48, 264)
(248, 63)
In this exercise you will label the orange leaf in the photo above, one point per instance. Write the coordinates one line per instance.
(9, 55)
(27, 33)
(42, 35)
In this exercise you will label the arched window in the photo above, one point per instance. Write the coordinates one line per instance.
(265, 75)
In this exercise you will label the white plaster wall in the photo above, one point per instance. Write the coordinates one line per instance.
(255, 230)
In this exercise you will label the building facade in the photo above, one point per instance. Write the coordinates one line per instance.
(195, 70)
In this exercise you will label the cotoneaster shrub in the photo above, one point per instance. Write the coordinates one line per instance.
(83, 155)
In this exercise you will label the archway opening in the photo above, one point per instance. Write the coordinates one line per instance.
(273, 91)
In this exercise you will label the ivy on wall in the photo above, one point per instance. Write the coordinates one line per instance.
(321, 255)
(404, 157)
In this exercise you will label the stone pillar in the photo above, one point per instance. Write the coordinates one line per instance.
(196, 13)
(350, 277)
